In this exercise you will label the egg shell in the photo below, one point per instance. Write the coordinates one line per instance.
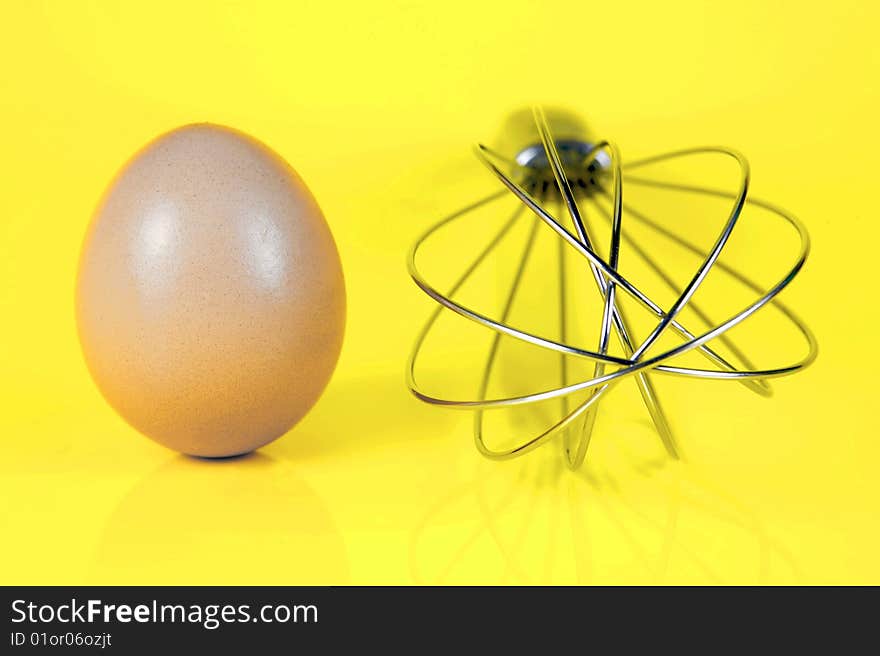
(210, 300)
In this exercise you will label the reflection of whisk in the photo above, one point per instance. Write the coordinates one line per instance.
(567, 167)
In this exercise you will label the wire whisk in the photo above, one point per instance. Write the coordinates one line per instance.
(570, 170)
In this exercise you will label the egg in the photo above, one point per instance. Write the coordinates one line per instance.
(210, 300)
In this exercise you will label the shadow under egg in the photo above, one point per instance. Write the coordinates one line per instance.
(363, 413)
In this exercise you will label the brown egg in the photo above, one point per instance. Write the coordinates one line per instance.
(210, 300)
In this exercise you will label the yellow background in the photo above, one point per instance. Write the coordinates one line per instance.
(376, 104)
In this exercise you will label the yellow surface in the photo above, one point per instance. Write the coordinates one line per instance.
(377, 105)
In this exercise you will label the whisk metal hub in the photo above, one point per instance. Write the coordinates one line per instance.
(572, 153)
(581, 161)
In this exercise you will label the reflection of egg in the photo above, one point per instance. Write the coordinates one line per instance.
(210, 301)
(247, 521)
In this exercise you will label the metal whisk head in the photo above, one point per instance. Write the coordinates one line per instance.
(550, 159)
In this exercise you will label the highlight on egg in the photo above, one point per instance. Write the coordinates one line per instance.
(210, 300)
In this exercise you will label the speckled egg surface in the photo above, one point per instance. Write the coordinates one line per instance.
(210, 300)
